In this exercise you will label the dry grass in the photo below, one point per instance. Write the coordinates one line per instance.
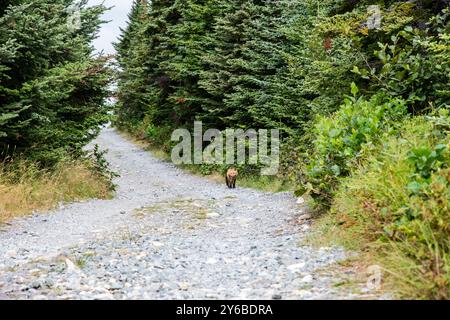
(25, 189)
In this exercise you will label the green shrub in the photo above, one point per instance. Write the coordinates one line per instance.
(97, 163)
(159, 136)
(342, 139)
(400, 198)
(414, 64)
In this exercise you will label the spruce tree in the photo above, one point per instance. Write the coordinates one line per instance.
(189, 40)
(164, 15)
(52, 88)
(259, 62)
(284, 101)
(222, 68)
(145, 86)
(131, 57)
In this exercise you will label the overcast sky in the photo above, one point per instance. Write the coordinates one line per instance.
(118, 17)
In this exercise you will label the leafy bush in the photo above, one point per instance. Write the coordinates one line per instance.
(342, 139)
(98, 164)
(414, 64)
(401, 196)
(160, 136)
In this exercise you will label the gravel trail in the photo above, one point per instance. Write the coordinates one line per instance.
(166, 235)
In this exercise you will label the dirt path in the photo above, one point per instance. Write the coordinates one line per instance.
(165, 235)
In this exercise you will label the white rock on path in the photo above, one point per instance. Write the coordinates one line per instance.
(71, 267)
(307, 279)
(253, 250)
(298, 267)
(212, 215)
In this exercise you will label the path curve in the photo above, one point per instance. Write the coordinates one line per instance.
(165, 235)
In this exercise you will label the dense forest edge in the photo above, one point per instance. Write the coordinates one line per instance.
(363, 111)
(53, 91)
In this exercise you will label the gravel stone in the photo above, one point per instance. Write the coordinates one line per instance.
(163, 247)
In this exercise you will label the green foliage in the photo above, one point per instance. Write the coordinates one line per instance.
(289, 65)
(189, 40)
(379, 202)
(101, 167)
(427, 160)
(414, 65)
(223, 62)
(159, 136)
(131, 57)
(341, 140)
(52, 89)
(245, 64)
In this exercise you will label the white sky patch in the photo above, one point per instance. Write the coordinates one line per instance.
(118, 17)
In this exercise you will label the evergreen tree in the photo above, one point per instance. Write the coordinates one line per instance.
(222, 68)
(190, 39)
(52, 89)
(144, 85)
(131, 57)
(253, 97)
(252, 63)
(164, 15)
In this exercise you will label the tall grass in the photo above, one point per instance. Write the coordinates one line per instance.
(25, 188)
(376, 213)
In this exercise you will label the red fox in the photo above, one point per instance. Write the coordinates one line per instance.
(231, 177)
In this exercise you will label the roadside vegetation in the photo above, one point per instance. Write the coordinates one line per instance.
(52, 103)
(360, 94)
(248, 176)
(25, 188)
